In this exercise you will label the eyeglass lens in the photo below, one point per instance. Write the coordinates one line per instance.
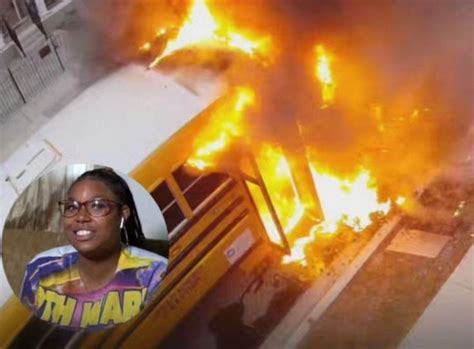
(96, 207)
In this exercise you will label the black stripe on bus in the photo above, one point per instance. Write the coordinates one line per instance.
(175, 261)
(209, 206)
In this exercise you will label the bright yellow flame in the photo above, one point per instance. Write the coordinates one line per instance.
(225, 125)
(240, 42)
(415, 115)
(343, 201)
(401, 200)
(324, 75)
(208, 151)
(276, 174)
(201, 28)
(348, 201)
(145, 47)
(161, 32)
(459, 209)
(224, 128)
(377, 111)
(298, 250)
(264, 213)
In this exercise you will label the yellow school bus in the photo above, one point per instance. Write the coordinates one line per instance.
(213, 226)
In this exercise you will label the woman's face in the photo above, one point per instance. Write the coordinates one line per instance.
(94, 237)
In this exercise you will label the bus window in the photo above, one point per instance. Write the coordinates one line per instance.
(197, 189)
(172, 213)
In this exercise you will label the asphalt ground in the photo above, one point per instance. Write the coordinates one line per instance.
(388, 295)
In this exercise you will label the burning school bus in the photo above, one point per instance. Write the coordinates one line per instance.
(216, 219)
(194, 207)
(211, 218)
(231, 197)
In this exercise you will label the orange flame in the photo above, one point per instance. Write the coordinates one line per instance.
(324, 75)
(226, 125)
(401, 200)
(202, 28)
(146, 47)
(344, 201)
(459, 209)
(264, 213)
(348, 201)
(279, 182)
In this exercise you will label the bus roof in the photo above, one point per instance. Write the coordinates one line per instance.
(117, 121)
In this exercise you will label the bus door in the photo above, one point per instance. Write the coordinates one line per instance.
(264, 205)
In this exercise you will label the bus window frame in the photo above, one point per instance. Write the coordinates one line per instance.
(181, 228)
(196, 210)
(181, 205)
(214, 194)
(257, 180)
(179, 197)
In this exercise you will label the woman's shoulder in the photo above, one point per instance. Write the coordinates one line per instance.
(55, 252)
(152, 267)
(45, 264)
(137, 252)
(51, 255)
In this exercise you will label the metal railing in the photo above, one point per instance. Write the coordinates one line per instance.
(26, 77)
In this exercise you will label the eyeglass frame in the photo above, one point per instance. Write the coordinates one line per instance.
(84, 203)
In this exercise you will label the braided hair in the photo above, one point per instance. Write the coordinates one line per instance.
(133, 233)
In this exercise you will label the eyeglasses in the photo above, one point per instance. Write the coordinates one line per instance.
(95, 207)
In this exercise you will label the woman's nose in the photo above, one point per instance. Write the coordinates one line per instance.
(83, 215)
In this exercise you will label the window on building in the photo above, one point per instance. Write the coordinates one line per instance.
(10, 12)
(21, 8)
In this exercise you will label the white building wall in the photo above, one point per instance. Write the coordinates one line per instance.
(41, 6)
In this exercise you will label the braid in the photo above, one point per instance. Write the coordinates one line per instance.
(133, 233)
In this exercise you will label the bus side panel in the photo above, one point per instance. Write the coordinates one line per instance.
(13, 319)
(183, 298)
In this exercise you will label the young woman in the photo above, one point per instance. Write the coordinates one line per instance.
(103, 278)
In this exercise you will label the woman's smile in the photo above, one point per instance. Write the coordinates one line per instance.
(83, 234)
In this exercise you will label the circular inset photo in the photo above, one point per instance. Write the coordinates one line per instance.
(85, 247)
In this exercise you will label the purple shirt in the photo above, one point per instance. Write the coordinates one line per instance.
(50, 275)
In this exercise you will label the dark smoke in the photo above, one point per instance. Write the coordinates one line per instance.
(402, 55)
(399, 54)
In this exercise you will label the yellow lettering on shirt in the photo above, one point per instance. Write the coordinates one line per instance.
(58, 308)
(90, 313)
(112, 310)
(39, 298)
(63, 310)
(132, 301)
